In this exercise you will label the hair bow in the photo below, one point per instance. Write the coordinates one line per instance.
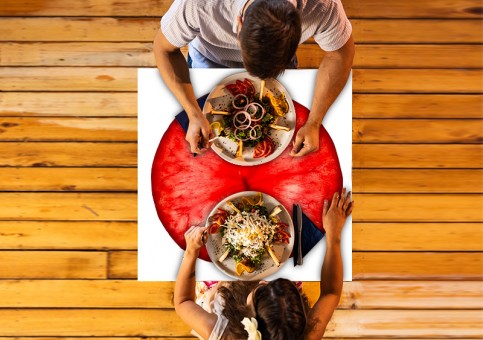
(251, 326)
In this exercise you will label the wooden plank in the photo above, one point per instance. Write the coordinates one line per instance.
(409, 294)
(416, 156)
(79, 29)
(419, 266)
(68, 154)
(144, 29)
(86, 294)
(68, 206)
(418, 208)
(134, 294)
(125, 105)
(123, 265)
(413, 9)
(461, 324)
(417, 236)
(92, 323)
(416, 106)
(125, 79)
(417, 181)
(417, 81)
(416, 31)
(90, 104)
(392, 56)
(61, 235)
(109, 338)
(417, 131)
(68, 79)
(153, 8)
(354, 8)
(366, 265)
(310, 55)
(125, 130)
(77, 54)
(142, 322)
(68, 129)
(52, 265)
(68, 179)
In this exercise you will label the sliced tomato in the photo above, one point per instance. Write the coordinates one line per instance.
(269, 150)
(270, 146)
(260, 149)
(213, 228)
(233, 89)
(264, 148)
(250, 87)
(222, 212)
(282, 225)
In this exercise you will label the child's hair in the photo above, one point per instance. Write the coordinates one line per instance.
(280, 309)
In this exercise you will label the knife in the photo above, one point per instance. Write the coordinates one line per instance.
(300, 259)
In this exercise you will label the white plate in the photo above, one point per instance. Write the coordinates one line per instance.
(219, 99)
(267, 267)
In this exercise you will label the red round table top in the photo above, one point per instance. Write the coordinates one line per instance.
(186, 188)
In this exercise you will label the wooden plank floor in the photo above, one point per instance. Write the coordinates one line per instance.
(68, 177)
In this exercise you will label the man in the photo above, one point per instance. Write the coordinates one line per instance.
(262, 36)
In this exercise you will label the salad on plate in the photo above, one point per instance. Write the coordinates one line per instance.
(253, 120)
(248, 230)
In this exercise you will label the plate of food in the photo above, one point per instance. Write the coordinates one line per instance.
(253, 120)
(250, 235)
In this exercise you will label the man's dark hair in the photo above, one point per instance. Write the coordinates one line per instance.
(269, 37)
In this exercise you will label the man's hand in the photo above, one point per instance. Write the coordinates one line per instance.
(199, 133)
(335, 213)
(195, 239)
(306, 141)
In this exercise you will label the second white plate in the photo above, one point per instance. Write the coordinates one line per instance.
(219, 99)
(215, 247)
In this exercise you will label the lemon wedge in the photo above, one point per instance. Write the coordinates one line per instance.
(217, 127)
(240, 268)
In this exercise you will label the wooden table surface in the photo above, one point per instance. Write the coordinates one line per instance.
(68, 177)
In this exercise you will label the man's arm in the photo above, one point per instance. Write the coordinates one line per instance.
(331, 78)
(334, 216)
(174, 70)
(184, 291)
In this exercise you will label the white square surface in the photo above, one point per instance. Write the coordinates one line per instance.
(159, 256)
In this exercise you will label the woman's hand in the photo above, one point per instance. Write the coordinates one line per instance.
(335, 213)
(195, 239)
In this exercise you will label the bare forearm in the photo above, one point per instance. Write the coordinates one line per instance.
(185, 282)
(331, 275)
(174, 71)
(331, 78)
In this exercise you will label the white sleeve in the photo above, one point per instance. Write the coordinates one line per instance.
(180, 24)
(335, 29)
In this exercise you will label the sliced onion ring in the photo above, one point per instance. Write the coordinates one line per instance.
(242, 120)
(240, 95)
(253, 132)
(252, 110)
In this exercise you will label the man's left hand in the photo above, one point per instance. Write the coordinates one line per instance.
(306, 141)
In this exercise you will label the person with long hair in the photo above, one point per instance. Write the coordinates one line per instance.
(263, 310)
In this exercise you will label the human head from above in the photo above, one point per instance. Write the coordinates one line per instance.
(278, 306)
(269, 33)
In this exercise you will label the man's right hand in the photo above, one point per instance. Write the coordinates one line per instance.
(199, 133)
